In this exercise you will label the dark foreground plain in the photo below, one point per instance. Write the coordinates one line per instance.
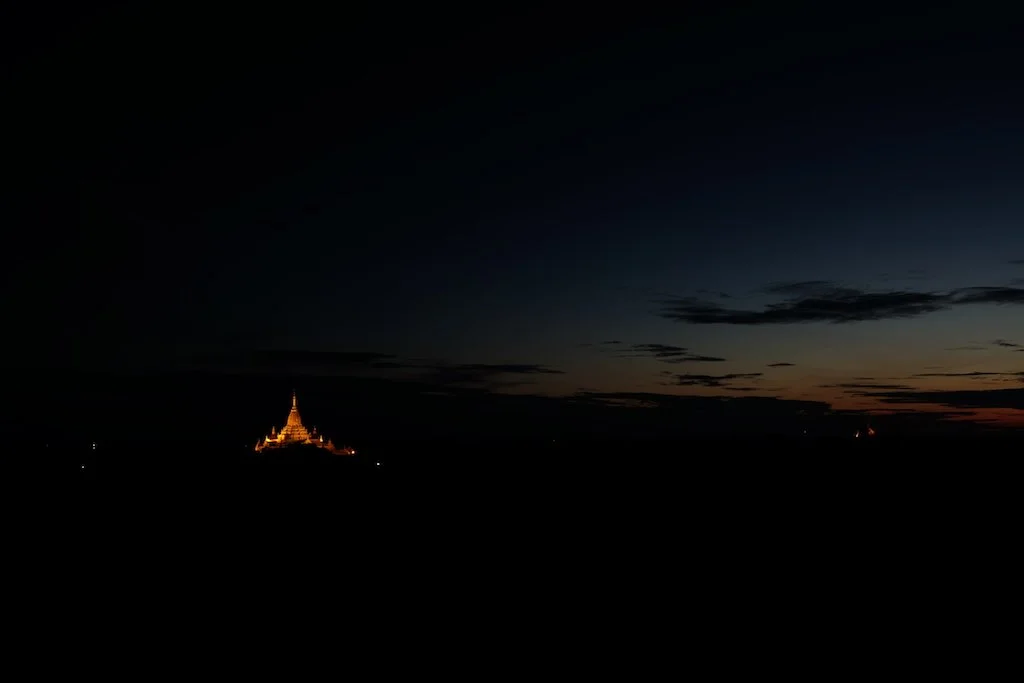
(726, 524)
(743, 472)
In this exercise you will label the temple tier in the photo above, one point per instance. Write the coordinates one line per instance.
(295, 434)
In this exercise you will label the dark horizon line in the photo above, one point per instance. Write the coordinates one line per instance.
(58, 443)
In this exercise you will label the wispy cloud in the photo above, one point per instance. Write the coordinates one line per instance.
(911, 274)
(319, 357)
(781, 365)
(1007, 344)
(796, 287)
(699, 407)
(486, 375)
(691, 380)
(970, 374)
(665, 353)
(289, 360)
(966, 399)
(821, 301)
(987, 295)
(712, 292)
(864, 385)
(334, 363)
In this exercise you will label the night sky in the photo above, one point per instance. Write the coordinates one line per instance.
(598, 209)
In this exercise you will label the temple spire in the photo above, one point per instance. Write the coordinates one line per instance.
(294, 400)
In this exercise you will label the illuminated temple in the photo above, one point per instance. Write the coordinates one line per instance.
(295, 434)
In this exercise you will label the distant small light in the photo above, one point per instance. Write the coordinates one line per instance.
(83, 467)
(94, 445)
(378, 464)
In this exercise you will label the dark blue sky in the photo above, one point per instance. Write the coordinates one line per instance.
(507, 189)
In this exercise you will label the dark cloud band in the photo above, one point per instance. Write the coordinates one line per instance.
(821, 301)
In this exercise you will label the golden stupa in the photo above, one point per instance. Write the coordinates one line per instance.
(295, 434)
